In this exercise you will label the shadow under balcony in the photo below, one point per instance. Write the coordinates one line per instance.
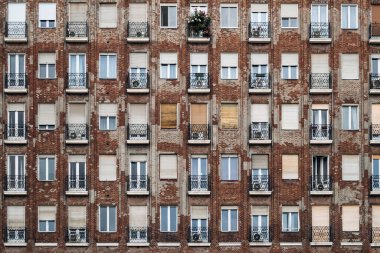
(199, 237)
(320, 134)
(321, 185)
(138, 83)
(15, 237)
(77, 83)
(198, 36)
(320, 83)
(77, 185)
(259, 32)
(259, 133)
(138, 134)
(138, 236)
(138, 32)
(374, 33)
(76, 134)
(260, 185)
(374, 83)
(76, 237)
(16, 32)
(319, 32)
(260, 236)
(15, 83)
(199, 134)
(168, 239)
(76, 32)
(15, 134)
(374, 134)
(321, 236)
(199, 185)
(199, 83)
(138, 185)
(15, 185)
(259, 83)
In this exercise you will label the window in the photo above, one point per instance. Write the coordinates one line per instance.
(46, 116)
(229, 219)
(138, 73)
(168, 63)
(107, 168)
(199, 224)
(46, 64)
(229, 116)
(169, 16)
(259, 64)
(229, 168)
(229, 66)
(107, 16)
(376, 218)
(168, 166)
(319, 13)
(138, 13)
(77, 218)
(77, 173)
(16, 169)
(107, 66)
(228, 16)
(289, 117)
(198, 7)
(138, 220)
(349, 64)
(260, 221)
(350, 167)
(290, 219)
(289, 166)
(46, 218)
(320, 218)
(320, 64)
(107, 116)
(198, 64)
(168, 116)
(77, 12)
(17, 13)
(168, 219)
(107, 219)
(47, 15)
(46, 168)
(289, 62)
(350, 117)
(350, 218)
(375, 172)
(289, 15)
(259, 114)
(16, 219)
(349, 16)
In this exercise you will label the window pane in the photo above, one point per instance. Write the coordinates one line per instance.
(103, 66)
(293, 22)
(224, 168)
(284, 221)
(51, 171)
(345, 117)
(353, 19)
(112, 66)
(42, 70)
(103, 123)
(42, 171)
(344, 17)
(51, 70)
(112, 123)
(294, 221)
(51, 225)
(164, 70)
(285, 22)
(294, 72)
(233, 17)
(285, 72)
(224, 72)
(224, 220)
(233, 73)
(173, 218)
(42, 225)
(224, 17)
(173, 71)
(234, 220)
(164, 15)
(103, 219)
(234, 168)
(164, 218)
(112, 218)
(172, 16)
(354, 117)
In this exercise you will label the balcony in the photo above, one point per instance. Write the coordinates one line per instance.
(76, 134)
(199, 83)
(319, 33)
(259, 83)
(374, 33)
(77, 185)
(375, 236)
(76, 237)
(259, 32)
(15, 83)
(77, 83)
(320, 134)
(76, 32)
(199, 237)
(138, 83)
(138, 32)
(138, 236)
(15, 236)
(374, 83)
(260, 236)
(16, 32)
(138, 134)
(321, 185)
(198, 36)
(320, 83)
(15, 134)
(15, 185)
(375, 185)
(199, 134)
(199, 185)
(374, 134)
(259, 133)
(137, 185)
(321, 236)
(260, 185)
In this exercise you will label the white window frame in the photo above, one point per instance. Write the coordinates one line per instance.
(168, 218)
(289, 218)
(46, 127)
(47, 223)
(168, 71)
(108, 219)
(289, 72)
(350, 117)
(108, 67)
(199, 7)
(107, 118)
(229, 168)
(349, 27)
(176, 17)
(46, 157)
(237, 16)
(47, 21)
(229, 229)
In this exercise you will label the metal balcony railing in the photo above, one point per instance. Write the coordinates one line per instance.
(77, 81)
(138, 29)
(199, 183)
(16, 132)
(15, 81)
(259, 30)
(199, 132)
(375, 183)
(76, 132)
(259, 81)
(375, 234)
(138, 234)
(76, 183)
(199, 81)
(76, 235)
(16, 30)
(321, 183)
(138, 81)
(259, 131)
(374, 81)
(320, 132)
(374, 30)
(260, 234)
(199, 234)
(15, 183)
(15, 235)
(320, 81)
(138, 131)
(192, 32)
(375, 1)
(137, 183)
(321, 234)
(76, 29)
(260, 183)
(375, 132)
(319, 30)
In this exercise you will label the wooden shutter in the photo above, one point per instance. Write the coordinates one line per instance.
(350, 66)
(259, 210)
(229, 59)
(168, 116)
(16, 216)
(107, 168)
(16, 107)
(259, 113)
(289, 118)
(138, 216)
(375, 112)
(168, 58)
(350, 167)
(259, 8)
(168, 166)
(320, 216)
(137, 114)
(78, 12)
(320, 63)
(137, 12)
(46, 58)
(229, 116)
(289, 166)
(138, 60)
(289, 59)
(77, 114)
(198, 114)
(77, 216)
(16, 12)
(46, 212)
(199, 212)
(375, 14)
(107, 109)
(107, 16)
(259, 59)
(375, 216)
(46, 114)
(260, 161)
(350, 218)
(47, 11)
(199, 59)
(289, 10)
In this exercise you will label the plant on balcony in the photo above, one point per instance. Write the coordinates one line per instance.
(199, 24)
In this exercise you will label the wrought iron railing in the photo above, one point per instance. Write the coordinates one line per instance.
(76, 235)
(199, 183)
(76, 132)
(321, 234)
(374, 81)
(375, 234)
(15, 81)
(77, 81)
(319, 30)
(259, 81)
(193, 32)
(137, 183)
(260, 30)
(321, 183)
(374, 31)
(199, 81)
(15, 132)
(259, 131)
(199, 132)
(76, 183)
(76, 29)
(138, 131)
(259, 183)
(375, 183)
(15, 235)
(15, 183)
(375, 1)
(16, 30)
(138, 234)
(199, 234)
(138, 29)
(320, 81)
(320, 132)
(375, 132)
(138, 81)
(260, 234)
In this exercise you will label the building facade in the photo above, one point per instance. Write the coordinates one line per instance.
(137, 126)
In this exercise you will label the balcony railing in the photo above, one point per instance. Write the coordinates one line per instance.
(199, 234)
(375, 183)
(199, 183)
(76, 183)
(138, 30)
(259, 131)
(138, 132)
(319, 30)
(259, 81)
(321, 234)
(193, 33)
(15, 81)
(77, 132)
(321, 183)
(260, 234)
(259, 30)
(375, 132)
(76, 29)
(138, 234)
(137, 183)
(259, 183)
(199, 81)
(16, 30)
(199, 132)
(138, 81)
(374, 31)
(320, 81)
(15, 235)
(375, 234)
(15, 183)
(77, 235)
(320, 132)
(15, 132)
(77, 81)
(374, 80)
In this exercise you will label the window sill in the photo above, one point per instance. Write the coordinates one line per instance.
(228, 79)
(291, 27)
(110, 27)
(106, 79)
(290, 231)
(46, 244)
(48, 130)
(168, 78)
(107, 130)
(107, 244)
(47, 28)
(347, 29)
(351, 130)
(229, 27)
(169, 27)
(51, 78)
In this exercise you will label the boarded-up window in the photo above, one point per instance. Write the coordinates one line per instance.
(229, 116)
(289, 166)
(138, 216)
(77, 12)
(260, 161)
(289, 118)
(16, 216)
(137, 114)
(198, 114)
(137, 12)
(107, 168)
(77, 114)
(259, 113)
(320, 63)
(46, 116)
(375, 112)
(138, 60)
(350, 167)
(350, 218)
(77, 216)
(199, 212)
(168, 166)
(107, 16)
(168, 116)
(349, 64)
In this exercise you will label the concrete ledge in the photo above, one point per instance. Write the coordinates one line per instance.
(260, 141)
(77, 39)
(320, 91)
(321, 142)
(289, 244)
(259, 40)
(137, 192)
(138, 244)
(374, 192)
(198, 40)
(198, 193)
(76, 91)
(199, 141)
(351, 243)
(76, 193)
(138, 39)
(137, 141)
(199, 244)
(198, 91)
(320, 40)
(230, 244)
(15, 141)
(376, 142)
(321, 243)
(260, 192)
(15, 90)
(76, 141)
(107, 244)
(259, 91)
(137, 90)
(374, 41)
(260, 244)
(46, 244)
(168, 244)
(15, 244)
(321, 192)
(375, 244)
(374, 91)
(15, 193)
(76, 244)
(15, 40)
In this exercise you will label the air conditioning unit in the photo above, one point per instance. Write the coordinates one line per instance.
(256, 32)
(195, 136)
(72, 34)
(320, 187)
(257, 237)
(196, 237)
(256, 186)
(73, 135)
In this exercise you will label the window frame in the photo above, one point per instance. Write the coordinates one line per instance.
(168, 66)
(289, 21)
(168, 219)
(46, 157)
(289, 72)
(48, 22)
(168, 5)
(47, 65)
(46, 127)
(349, 27)
(229, 169)
(349, 106)
(176, 117)
(108, 219)
(47, 223)
(289, 221)
(108, 67)
(229, 219)
(229, 6)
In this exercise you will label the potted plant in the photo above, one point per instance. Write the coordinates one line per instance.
(199, 24)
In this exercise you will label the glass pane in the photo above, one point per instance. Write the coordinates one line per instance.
(233, 17)
(143, 168)
(21, 63)
(164, 218)
(323, 13)
(194, 166)
(344, 17)
(133, 168)
(314, 13)
(293, 72)
(354, 117)
(20, 165)
(294, 221)
(72, 168)
(173, 69)
(82, 168)
(112, 66)
(294, 22)
(42, 167)
(202, 69)
(224, 17)
(112, 218)
(234, 220)
(51, 170)
(172, 16)
(82, 64)
(285, 22)
(51, 68)
(255, 220)
(103, 123)
(164, 16)
(73, 63)
(285, 72)
(42, 225)
(103, 66)
(51, 225)
(173, 218)
(264, 220)
(353, 18)
(225, 168)
(224, 72)
(375, 65)
(43, 70)
(203, 166)
(375, 167)
(164, 71)
(233, 73)
(284, 221)
(224, 220)
(103, 219)
(234, 168)
(345, 117)
(12, 63)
